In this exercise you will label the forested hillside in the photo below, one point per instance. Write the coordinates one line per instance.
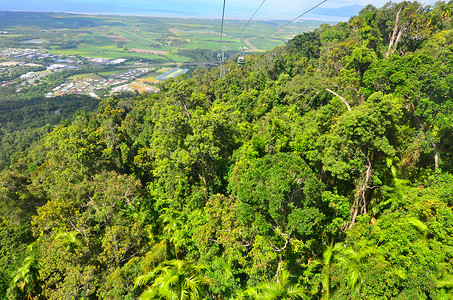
(320, 170)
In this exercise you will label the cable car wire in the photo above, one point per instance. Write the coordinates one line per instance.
(251, 18)
(222, 56)
(221, 26)
(294, 19)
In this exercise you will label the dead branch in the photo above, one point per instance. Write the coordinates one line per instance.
(360, 196)
(395, 30)
(365, 186)
(403, 27)
(341, 98)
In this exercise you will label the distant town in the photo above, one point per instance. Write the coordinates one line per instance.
(20, 68)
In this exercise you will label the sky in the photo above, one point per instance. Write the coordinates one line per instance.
(235, 9)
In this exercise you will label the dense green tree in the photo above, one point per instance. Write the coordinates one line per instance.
(280, 288)
(26, 282)
(173, 280)
(318, 170)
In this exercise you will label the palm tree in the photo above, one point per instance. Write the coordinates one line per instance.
(446, 282)
(329, 255)
(280, 288)
(26, 283)
(348, 259)
(71, 240)
(352, 261)
(172, 280)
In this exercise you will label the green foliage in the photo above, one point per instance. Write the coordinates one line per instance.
(175, 279)
(307, 43)
(25, 284)
(24, 121)
(278, 187)
(261, 185)
(13, 247)
(412, 241)
(279, 288)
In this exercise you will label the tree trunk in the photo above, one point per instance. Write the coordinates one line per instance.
(398, 37)
(436, 155)
(395, 30)
(365, 187)
(433, 143)
(402, 28)
(360, 197)
(354, 211)
(341, 98)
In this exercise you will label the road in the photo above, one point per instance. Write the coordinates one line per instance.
(251, 47)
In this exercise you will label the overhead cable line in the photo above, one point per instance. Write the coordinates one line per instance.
(222, 56)
(295, 19)
(221, 26)
(251, 18)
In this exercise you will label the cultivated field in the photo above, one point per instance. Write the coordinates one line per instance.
(156, 40)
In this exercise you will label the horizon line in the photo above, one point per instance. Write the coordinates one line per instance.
(318, 18)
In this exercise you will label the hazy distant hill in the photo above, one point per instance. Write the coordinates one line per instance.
(341, 13)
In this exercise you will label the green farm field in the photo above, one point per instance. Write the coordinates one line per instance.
(156, 40)
(261, 44)
(84, 76)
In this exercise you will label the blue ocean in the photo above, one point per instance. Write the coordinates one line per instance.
(138, 7)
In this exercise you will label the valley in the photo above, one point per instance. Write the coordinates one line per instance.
(56, 42)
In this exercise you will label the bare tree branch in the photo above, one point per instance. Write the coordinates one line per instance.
(401, 30)
(395, 30)
(341, 98)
